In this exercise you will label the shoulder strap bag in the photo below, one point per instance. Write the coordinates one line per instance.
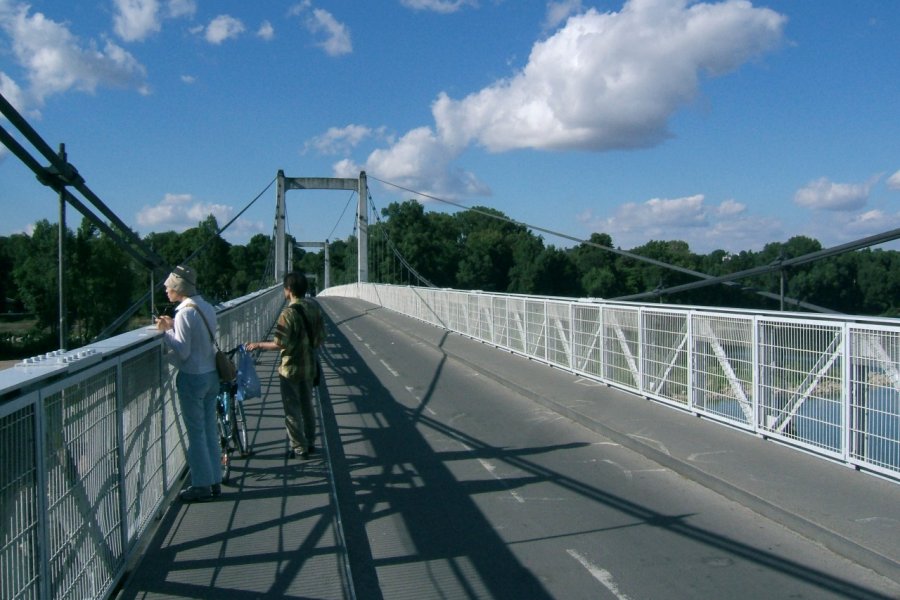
(309, 333)
(224, 366)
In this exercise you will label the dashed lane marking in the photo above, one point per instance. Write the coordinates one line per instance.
(491, 469)
(419, 400)
(600, 574)
(389, 368)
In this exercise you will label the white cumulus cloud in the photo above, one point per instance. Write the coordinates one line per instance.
(823, 194)
(438, 6)
(56, 61)
(134, 20)
(222, 28)
(340, 140)
(181, 8)
(179, 212)
(12, 92)
(557, 12)
(602, 82)
(709, 227)
(613, 80)
(422, 162)
(266, 31)
(893, 182)
(337, 36)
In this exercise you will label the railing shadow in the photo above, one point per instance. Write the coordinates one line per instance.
(384, 467)
(271, 534)
(399, 474)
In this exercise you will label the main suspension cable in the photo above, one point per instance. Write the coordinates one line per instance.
(710, 279)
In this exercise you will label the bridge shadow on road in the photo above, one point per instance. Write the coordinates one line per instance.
(406, 507)
(414, 528)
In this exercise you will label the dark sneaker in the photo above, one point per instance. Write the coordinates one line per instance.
(196, 494)
(311, 449)
(216, 489)
(297, 453)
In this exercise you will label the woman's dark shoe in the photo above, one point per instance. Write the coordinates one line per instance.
(196, 494)
(216, 489)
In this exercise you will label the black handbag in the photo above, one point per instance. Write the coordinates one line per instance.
(318, 376)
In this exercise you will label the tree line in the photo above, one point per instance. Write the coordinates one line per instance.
(478, 249)
(483, 249)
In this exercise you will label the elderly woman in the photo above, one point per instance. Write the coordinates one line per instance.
(190, 336)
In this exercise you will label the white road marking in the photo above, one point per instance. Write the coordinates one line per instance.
(419, 400)
(626, 472)
(601, 575)
(389, 368)
(490, 469)
(693, 457)
(658, 444)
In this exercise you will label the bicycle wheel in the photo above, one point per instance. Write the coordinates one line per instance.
(240, 428)
(224, 435)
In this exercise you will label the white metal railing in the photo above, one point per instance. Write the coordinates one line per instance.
(828, 384)
(89, 451)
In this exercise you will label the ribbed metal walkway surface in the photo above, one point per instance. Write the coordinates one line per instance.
(272, 533)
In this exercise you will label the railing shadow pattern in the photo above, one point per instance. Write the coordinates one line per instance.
(387, 466)
(90, 454)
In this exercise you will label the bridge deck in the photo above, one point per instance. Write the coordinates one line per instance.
(274, 532)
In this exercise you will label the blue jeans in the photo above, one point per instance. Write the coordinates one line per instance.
(197, 395)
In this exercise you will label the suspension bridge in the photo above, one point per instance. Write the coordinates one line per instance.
(473, 445)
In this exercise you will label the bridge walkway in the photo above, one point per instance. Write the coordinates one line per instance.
(275, 531)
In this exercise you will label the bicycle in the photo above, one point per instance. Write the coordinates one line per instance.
(232, 423)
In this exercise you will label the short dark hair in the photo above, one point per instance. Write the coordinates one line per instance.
(296, 283)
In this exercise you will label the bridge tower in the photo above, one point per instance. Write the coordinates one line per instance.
(283, 184)
(327, 282)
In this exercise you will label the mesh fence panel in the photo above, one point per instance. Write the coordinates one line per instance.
(875, 398)
(81, 446)
(19, 533)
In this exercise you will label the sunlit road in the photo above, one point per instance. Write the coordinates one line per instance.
(453, 486)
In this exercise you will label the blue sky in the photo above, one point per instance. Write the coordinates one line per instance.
(726, 124)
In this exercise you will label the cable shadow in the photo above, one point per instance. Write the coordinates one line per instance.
(271, 534)
(403, 476)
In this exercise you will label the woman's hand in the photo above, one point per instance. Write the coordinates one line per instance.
(164, 323)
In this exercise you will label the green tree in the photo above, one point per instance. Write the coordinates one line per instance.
(35, 275)
(486, 238)
(878, 277)
(108, 282)
(213, 263)
(557, 274)
(524, 274)
(427, 242)
(251, 265)
(597, 272)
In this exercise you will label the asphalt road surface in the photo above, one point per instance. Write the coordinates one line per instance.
(453, 486)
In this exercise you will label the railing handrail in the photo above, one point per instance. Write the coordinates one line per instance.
(829, 384)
